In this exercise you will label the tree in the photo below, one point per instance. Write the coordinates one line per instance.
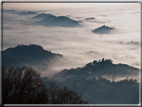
(89, 64)
(102, 59)
(108, 61)
(94, 62)
(57, 95)
(22, 85)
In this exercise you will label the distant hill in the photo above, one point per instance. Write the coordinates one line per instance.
(41, 16)
(27, 13)
(103, 30)
(134, 43)
(88, 81)
(47, 20)
(27, 54)
(90, 18)
(51, 20)
(10, 11)
(103, 67)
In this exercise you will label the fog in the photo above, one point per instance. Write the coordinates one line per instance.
(79, 45)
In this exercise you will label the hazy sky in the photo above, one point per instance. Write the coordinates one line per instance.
(79, 45)
(37, 6)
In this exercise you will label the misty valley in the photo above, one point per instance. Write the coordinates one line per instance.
(93, 81)
(71, 53)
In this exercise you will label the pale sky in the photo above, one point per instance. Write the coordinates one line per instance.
(44, 6)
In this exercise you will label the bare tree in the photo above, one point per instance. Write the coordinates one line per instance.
(57, 95)
(22, 85)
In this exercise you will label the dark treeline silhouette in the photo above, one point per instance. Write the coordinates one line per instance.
(99, 68)
(64, 95)
(23, 85)
(89, 81)
(103, 61)
(100, 90)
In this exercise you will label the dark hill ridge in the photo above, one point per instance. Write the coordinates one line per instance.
(46, 20)
(60, 21)
(27, 13)
(103, 30)
(41, 16)
(101, 68)
(103, 91)
(87, 81)
(27, 54)
(51, 20)
(10, 11)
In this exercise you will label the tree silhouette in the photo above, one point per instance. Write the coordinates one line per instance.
(23, 85)
(57, 95)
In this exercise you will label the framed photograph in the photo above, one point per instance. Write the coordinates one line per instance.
(71, 53)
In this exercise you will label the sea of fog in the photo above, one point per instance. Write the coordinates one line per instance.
(79, 45)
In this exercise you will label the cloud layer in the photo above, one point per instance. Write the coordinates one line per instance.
(79, 45)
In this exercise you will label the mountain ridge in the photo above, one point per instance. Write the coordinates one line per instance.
(28, 54)
(41, 16)
(97, 89)
(104, 68)
(52, 20)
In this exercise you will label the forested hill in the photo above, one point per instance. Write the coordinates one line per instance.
(95, 88)
(27, 54)
(104, 67)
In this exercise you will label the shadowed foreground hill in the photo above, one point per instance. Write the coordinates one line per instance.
(88, 81)
(27, 54)
(100, 90)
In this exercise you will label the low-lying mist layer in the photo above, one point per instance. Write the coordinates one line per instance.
(78, 45)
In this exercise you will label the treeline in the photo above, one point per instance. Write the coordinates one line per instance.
(100, 68)
(103, 61)
(23, 85)
(95, 65)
